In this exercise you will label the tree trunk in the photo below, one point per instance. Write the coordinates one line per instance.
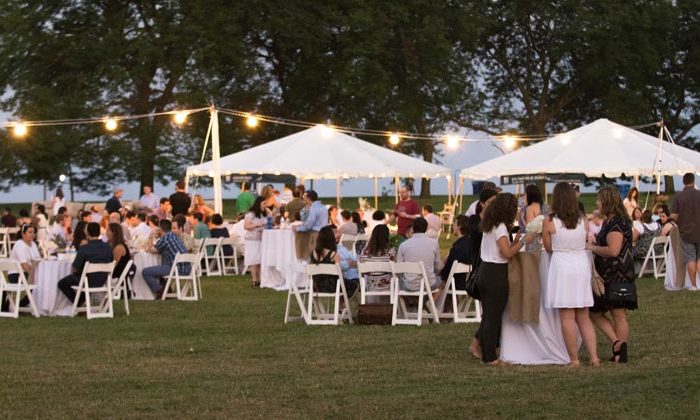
(428, 150)
(669, 187)
(148, 153)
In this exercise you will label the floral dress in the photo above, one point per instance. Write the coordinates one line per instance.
(378, 281)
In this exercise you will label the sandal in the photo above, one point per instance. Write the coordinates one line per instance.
(616, 353)
(623, 352)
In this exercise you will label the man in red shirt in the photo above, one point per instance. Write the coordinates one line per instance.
(406, 210)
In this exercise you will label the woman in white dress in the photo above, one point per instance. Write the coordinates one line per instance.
(254, 223)
(564, 235)
(631, 202)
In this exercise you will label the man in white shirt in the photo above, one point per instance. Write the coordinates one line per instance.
(138, 225)
(434, 224)
(421, 248)
(149, 200)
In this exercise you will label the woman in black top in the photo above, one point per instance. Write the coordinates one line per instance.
(79, 235)
(459, 252)
(614, 261)
(115, 237)
(325, 253)
(218, 231)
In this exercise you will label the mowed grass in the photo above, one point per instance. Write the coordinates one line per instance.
(230, 355)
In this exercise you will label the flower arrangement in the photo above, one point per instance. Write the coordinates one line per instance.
(60, 242)
(363, 203)
(535, 226)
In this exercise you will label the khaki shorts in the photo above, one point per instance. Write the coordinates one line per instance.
(690, 251)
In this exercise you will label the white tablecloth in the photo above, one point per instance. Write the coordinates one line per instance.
(670, 277)
(50, 300)
(143, 260)
(535, 344)
(276, 259)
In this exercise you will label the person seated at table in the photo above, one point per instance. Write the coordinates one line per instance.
(120, 252)
(163, 210)
(378, 218)
(219, 231)
(434, 223)
(95, 214)
(79, 235)
(665, 220)
(420, 248)
(459, 252)
(153, 222)
(348, 227)
(569, 290)
(62, 229)
(199, 206)
(178, 222)
(95, 251)
(378, 249)
(137, 223)
(201, 229)
(8, 219)
(117, 218)
(27, 254)
(253, 223)
(24, 218)
(333, 216)
(168, 245)
(348, 266)
(326, 252)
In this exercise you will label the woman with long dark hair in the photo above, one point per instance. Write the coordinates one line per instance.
(115, 238)
(80, 235)
(631, 202)
(378, 249)
(569, 276)
(254, 222)
(492, 278)
(614, 261)
(325, 253)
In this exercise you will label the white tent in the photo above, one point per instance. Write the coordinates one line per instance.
(600, 148)
(322, 153)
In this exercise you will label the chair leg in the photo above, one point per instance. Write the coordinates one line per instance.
(126, 300)
(32, 304)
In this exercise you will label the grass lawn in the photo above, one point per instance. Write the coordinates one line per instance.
(231, 355)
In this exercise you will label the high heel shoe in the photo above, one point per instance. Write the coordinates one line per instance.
(616, 353)
(623, 352)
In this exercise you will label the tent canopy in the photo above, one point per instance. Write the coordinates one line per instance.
(600, 148)
(322, 153)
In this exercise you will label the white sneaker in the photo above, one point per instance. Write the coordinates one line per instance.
(693, 289)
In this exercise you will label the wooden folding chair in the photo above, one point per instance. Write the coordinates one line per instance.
(461, 301)
(412, 318)
(104, 310)
(212, 261)
(187, 286)
(365, 268)
(658, 260)
(299, 291)
(13, 291)
(119, 287)
(317, 311)
(229, 263)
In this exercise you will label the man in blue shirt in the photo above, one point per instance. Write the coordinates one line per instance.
(314, 216)
(168, 245)
(95, 251)
(348, 265)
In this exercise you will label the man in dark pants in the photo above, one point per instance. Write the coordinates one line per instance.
(95, 251)
(180, 200)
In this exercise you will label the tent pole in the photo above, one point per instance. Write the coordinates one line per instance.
(658, 172)
(187, 181)
(337, 192)
(460, 193)
(449, 190)
(216, 160)
(636, 182)
(376, 190)
(396, 188)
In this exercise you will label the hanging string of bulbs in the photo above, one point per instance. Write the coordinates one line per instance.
(20, 129)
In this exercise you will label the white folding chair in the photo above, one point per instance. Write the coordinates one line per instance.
(299, 290)
(228, 262)
(365, 268)
(658, 260)
(4, 243)
(13, 291)
(317, 311)
(119, 288)
(212, 262)
(447, 216)
(348, 241)
(461, 301)
(199, 243)
(186, 285)
(412, 318)
(360, 237)
(12, 237)
(103, 310)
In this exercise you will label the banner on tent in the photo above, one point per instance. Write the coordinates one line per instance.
(531, 178)
(264, 178)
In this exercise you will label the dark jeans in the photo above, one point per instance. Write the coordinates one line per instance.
(66, 284)
(492, 282)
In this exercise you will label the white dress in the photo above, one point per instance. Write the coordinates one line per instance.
(253, 244)
(569, 277)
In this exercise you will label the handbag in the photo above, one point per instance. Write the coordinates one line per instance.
(597, 283)
(621, 295)
(470, 285)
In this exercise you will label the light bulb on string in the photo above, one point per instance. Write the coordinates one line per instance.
(452, 142)
(326, 131)
(394, 139)
(111, 124)
(180, 117)
(509, 142)
(565, 139)
(251, 121)
(20, 130)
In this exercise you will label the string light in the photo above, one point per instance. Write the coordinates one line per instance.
(452, 142)
(394, 139)
(180, 117)
(509, 142)
(20, 129)
(326, 131)
(565, 139)
(111, 124)
(251, 121)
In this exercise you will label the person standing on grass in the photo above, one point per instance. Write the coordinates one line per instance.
(492, 277)
(244, 200)
(180, 201)
(253, 223)
(685, 210)
(569, 276)
(406, 211)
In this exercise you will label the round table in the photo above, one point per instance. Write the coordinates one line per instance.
(141, 261)
(49, 300)
(278, 253)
